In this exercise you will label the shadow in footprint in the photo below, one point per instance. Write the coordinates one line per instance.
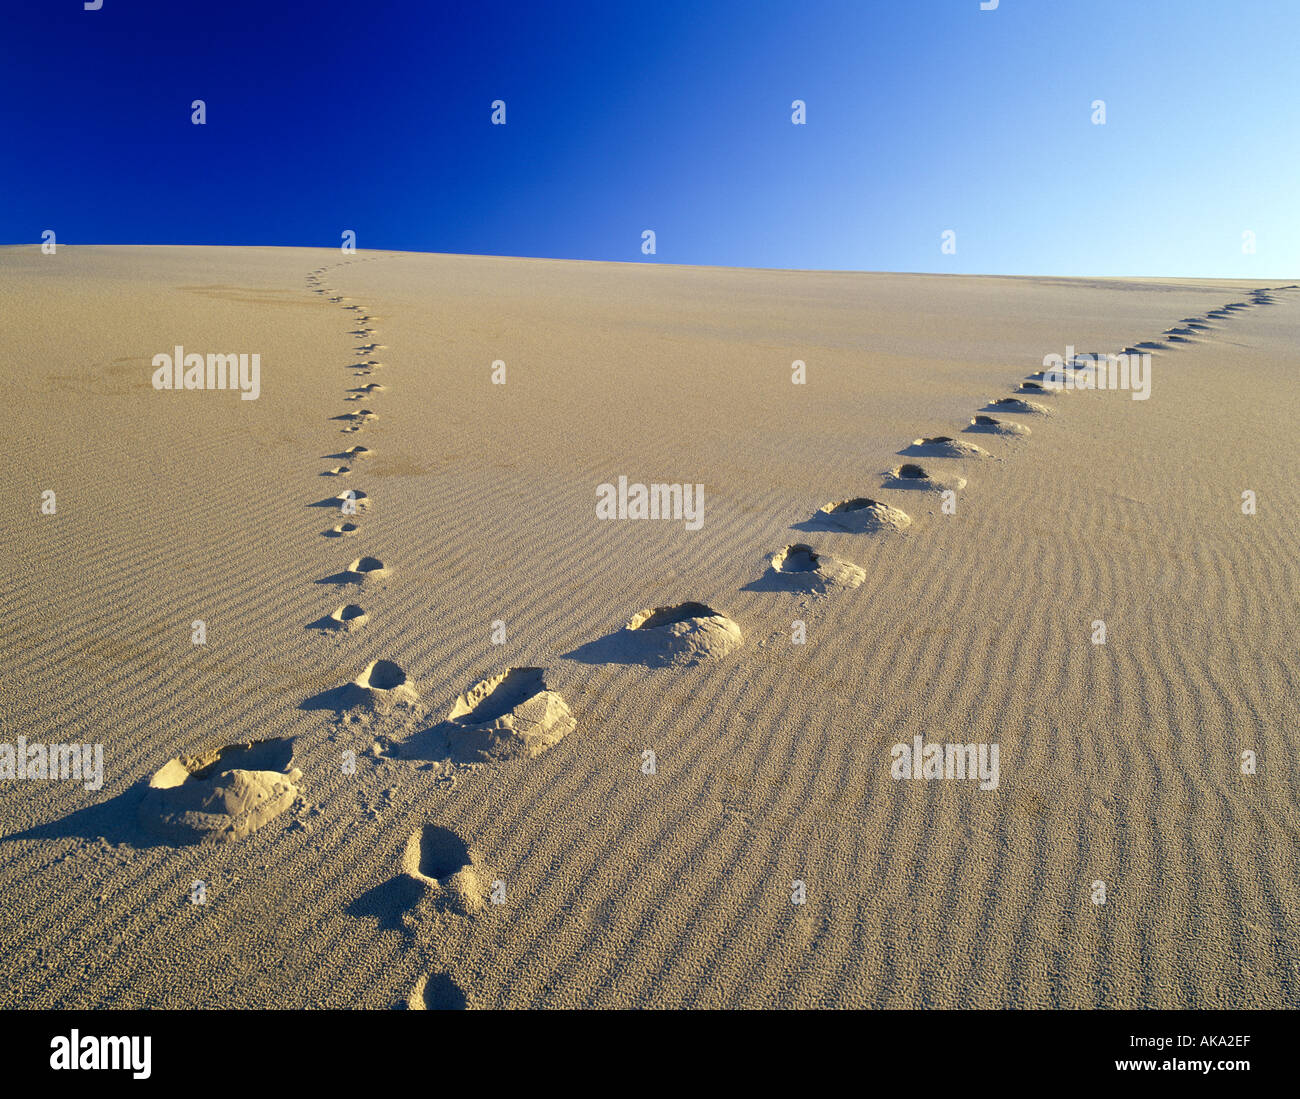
(441, 993)
(441, 852)
(346, 618)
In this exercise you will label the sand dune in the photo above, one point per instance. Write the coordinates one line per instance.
(440, 758)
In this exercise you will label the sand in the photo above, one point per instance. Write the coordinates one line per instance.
(641, 841)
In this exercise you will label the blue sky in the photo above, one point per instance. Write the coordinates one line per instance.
(922, 116)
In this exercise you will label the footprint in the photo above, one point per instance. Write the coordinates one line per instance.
(221, 795)
(337, 471)
(437, 992)
(448, 870)
(349, 502)
(799, 567)
(514, 714)
(860, 515)
(993, 426)
(358, 452)
(944, 446)
(1082, 361)
(912, 476)
(1015, 404)
(366, 568)
(358, 421)
(368, 348)
(342, 530)
(348, 617)
(369, 387)
(1035, 388)
(678, 636)
(382, 687)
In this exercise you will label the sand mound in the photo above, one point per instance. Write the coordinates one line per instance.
(800, 567)
(910, 475)
(219, 796)
(512, 714)
(679, 635)
(944, 446)
(863, 516)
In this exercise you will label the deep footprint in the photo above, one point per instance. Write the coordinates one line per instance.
(222, 795)
(1015, 404)
(367, 568)
(861, 515)
(348, 617)
(912, 476)
(509, 715)
(680, 635)
(944, 446)
(444, 865)
(437, 992)
(991, 425)
(798, 567)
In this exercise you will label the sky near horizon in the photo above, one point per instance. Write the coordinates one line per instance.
(922, 118)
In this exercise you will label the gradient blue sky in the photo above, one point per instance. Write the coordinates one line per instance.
(922, 116)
